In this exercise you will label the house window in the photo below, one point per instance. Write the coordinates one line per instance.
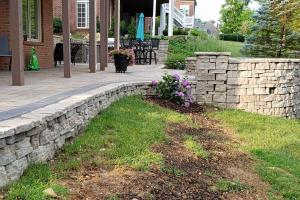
(83, 16)
(32, 19)
(185, 9)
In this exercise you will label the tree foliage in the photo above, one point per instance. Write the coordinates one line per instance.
(235, 17)
(275, 32)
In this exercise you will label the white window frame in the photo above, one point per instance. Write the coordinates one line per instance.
(185, 8)
(39, 38)
(87, 14)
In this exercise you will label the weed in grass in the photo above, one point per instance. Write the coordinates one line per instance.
(35, 180)
(173, 171)
(61, 191)
(209, 174)
(275, 141)
(192, 145)
(224, 185)
(113, 197)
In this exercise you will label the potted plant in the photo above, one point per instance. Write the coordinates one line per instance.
(122, 59)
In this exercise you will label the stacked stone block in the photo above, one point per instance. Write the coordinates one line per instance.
(162, 53)
(266, 86)
(210, 71)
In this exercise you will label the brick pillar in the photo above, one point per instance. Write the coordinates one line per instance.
(211, 74)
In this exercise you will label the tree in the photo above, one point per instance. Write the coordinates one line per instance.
(235, 17)
(273, 34)
(132, 28)
(288, 12)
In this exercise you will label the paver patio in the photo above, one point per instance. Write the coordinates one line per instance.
(48, 86)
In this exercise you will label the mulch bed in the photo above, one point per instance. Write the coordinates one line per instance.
(194, 107)
(184, 175)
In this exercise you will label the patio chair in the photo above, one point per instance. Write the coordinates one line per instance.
(150, 50)
(155, 43)
(126, 43)
(5, 52)
(140, 53)
(74, 50)
(59, 52)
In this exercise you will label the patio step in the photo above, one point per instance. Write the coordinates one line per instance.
(163, 51)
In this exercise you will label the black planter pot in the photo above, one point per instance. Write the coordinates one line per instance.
(121, 63)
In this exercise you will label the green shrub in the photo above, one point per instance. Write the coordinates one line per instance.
(232, 37)
(199, 33)
(180, 31)
(57, 25)
(174, 88)
(132, 28)
(176, 61)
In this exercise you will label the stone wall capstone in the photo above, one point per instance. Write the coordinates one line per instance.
(265, 86)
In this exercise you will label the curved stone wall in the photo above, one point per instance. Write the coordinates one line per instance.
(36, 136)
(265, 86)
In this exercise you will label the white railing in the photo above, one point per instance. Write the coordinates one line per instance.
(180, 17)
(189, 22)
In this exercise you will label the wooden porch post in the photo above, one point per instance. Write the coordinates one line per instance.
(16, 38)
(104, 34)
(93, 42)
(171, 17)
(66, 38)
(154, 18)
(117, 24)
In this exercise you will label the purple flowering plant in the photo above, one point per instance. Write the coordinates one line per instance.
(175, 89)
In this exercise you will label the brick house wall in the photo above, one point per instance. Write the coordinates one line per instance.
(57, 8)
(4, 28)
(44, 48)
(190, 3)
(57, 12)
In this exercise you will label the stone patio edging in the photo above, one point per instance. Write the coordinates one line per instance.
(36, 136)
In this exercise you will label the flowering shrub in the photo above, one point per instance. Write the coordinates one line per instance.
(127, 52)
(174, 89)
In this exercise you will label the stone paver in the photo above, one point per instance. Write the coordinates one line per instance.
(48, 86)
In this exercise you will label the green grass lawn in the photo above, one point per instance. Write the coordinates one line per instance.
(233, 47)
(276, 142)
(122, 135)
(181, 47)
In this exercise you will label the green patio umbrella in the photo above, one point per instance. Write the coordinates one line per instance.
(140, 29)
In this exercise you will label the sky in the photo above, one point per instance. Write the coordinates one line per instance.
(208, 10)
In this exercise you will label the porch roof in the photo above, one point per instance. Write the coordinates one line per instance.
(138, 6)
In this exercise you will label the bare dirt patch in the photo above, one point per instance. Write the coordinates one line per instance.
(183, 176)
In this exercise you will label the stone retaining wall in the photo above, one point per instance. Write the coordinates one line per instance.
(162, 53)
(266, 86)
(35, 137)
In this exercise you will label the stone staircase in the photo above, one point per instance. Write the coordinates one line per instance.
(180, 18)
(163, 51)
